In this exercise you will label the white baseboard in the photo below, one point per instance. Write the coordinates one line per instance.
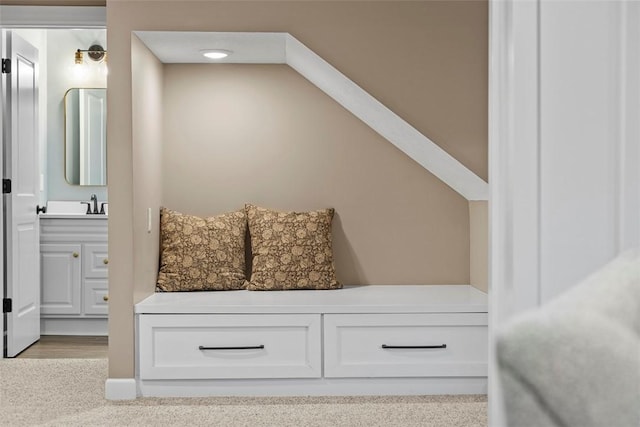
(120, 389)
(313, 387)
(74, 326)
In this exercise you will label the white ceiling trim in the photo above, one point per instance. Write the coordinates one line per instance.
(53, 16)
(283, 48)
(384, 121)
(182, 47)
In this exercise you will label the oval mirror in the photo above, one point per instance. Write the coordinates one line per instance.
(85, 136)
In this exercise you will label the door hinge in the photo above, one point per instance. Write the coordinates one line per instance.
(7, 305)
(6, 65)
(6, 186)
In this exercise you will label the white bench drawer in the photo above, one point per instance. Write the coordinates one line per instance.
(405, 345)
(214, 346)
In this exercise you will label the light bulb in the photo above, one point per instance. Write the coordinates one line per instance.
(216, 53)
(79, 71)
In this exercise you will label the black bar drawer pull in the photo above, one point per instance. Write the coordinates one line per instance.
(252, 347)
(414, 346)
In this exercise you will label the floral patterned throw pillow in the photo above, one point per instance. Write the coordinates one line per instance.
(291, 250)
(201, 254)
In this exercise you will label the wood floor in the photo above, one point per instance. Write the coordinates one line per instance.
(67, 347)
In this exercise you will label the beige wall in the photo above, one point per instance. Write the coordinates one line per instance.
(263, 134)
(479, 244)
(425, 60)
(133, 250)
(433, 74)
(147, 105)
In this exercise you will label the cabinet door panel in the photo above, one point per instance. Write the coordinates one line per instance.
(96, 260)
(60, 278)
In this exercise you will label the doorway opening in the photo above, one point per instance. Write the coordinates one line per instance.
(55, 290)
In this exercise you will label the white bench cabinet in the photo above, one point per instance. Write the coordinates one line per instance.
(360, 340)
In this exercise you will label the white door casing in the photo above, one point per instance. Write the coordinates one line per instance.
(21, 165)
(2, 130)
(563, 150)
(40, 17)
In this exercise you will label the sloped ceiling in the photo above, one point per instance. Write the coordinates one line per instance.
(283, 48)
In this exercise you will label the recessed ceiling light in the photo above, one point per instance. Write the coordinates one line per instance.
(216, 53)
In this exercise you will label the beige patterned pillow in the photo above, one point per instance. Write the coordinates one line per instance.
(291, 250)
(201, 254)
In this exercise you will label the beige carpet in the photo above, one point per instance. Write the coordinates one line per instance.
(69, 392)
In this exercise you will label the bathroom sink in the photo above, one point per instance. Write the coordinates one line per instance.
(62, 208)
(66, 208)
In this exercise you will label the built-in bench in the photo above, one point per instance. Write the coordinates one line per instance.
(360, 340)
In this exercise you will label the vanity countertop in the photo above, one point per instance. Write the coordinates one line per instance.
(74, 216)
(64, 209)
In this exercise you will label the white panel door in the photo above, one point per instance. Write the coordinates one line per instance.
(20, 146)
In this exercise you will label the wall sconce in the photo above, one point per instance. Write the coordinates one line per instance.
(95, 53)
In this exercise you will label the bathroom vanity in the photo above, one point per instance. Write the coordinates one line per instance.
(74, 274)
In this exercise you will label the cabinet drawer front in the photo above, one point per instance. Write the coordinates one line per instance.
(95, 261)
(406, 345)
(229, 346)
(95, 293)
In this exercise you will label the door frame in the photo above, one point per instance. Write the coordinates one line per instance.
(515, 173)
(514, 160)
(43, 17)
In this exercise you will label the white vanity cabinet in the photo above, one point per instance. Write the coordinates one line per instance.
(74, 278)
